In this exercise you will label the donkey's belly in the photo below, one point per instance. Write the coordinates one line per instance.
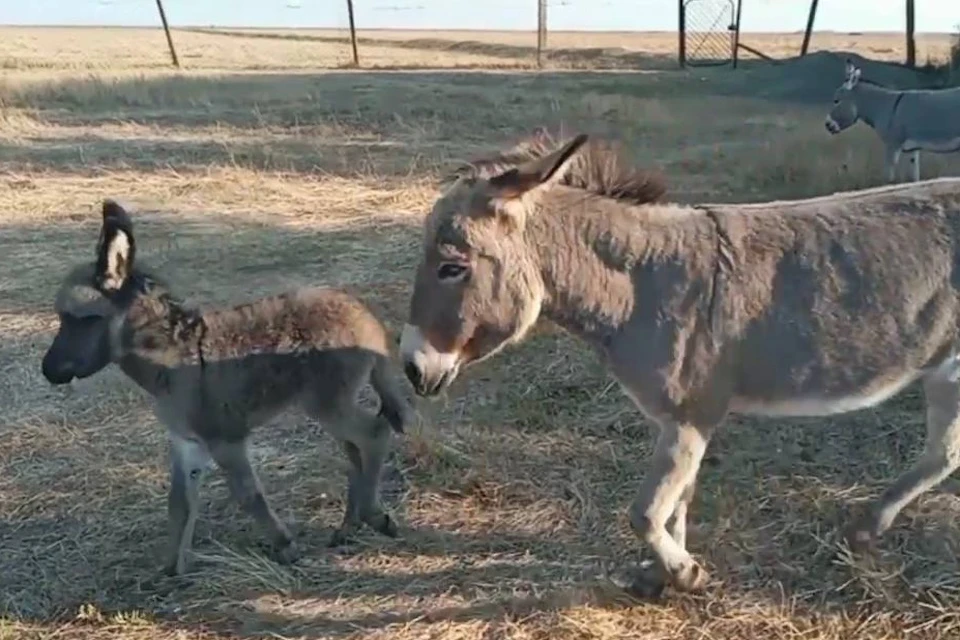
(808, 403)
(933, 145)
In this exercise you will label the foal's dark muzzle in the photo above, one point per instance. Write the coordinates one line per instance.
(56, 370)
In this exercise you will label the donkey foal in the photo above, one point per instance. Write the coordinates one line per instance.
(217, 374)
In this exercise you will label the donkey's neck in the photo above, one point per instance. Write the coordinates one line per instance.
(875, 104)
(590, 252)
(159, 336)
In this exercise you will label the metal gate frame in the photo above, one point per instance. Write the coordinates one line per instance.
(733, 29)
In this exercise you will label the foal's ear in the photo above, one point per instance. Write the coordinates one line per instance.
(116, 248)
(535, 173)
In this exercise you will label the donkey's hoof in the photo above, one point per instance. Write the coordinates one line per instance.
(288, 553)
(693, 578)
(643, 583)
(385, 525)
(861, 539)
(175, 567)
(341, 537)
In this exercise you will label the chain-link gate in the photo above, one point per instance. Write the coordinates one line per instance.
(708, 32)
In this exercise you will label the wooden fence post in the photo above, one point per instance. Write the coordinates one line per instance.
(353, 34)
(911, 39)
(541, 30)
(166, 29)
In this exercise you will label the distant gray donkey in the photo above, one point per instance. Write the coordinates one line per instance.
(906, 121)
(217, 374)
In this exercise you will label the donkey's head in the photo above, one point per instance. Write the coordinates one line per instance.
(478, 285)
(844, 112)
(91, 303)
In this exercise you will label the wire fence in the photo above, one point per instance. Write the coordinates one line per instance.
(580, 34)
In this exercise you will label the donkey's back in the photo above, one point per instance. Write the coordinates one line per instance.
(840, 301)
(928, 119)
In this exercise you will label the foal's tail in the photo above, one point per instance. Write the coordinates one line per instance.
(393, 407)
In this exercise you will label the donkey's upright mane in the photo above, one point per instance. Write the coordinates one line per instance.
(600, 168)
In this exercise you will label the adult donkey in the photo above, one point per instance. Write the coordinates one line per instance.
(802, 308)
(906, 121)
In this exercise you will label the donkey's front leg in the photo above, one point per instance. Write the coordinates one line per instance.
(915, 162)
(891, 158)
(673, 472)
(188, 462)
(678, 523)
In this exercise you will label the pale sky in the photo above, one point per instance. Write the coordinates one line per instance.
(629, 15)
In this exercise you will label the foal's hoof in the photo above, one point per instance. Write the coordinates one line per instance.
(643, 583)
(289, 553)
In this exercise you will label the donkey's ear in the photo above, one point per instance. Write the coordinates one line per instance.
(851, 72)
(535, 173)
(116, 248)
(853, 77)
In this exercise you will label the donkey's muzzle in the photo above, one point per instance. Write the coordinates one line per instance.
(426, 386)
(56, 371)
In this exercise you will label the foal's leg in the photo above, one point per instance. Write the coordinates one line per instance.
(940, 458)
(351, 514)
(188, 462)
(673, 471)
(915, 161)
(366, 440)
(245, 487)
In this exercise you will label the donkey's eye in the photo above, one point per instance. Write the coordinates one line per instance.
(451, 271)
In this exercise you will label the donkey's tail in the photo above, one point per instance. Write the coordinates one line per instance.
(393, 407)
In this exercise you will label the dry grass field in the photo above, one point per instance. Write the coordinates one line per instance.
(261, 167)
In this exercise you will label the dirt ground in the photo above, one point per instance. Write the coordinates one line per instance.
(261, 167)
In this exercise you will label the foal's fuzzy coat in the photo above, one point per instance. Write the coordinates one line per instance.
(217, 374)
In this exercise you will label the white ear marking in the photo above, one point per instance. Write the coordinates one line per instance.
(118, 251)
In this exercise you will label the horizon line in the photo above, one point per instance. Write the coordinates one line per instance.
(157, 25)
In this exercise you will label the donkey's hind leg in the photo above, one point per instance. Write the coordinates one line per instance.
(940, 458)
(366, 440)
(351, 513)
(245, 486)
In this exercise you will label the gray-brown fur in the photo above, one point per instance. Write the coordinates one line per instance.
(809, 307)
(217, 374)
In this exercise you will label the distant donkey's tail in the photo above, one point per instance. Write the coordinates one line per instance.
(393, 406)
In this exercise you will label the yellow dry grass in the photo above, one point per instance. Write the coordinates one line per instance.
(251, 172)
